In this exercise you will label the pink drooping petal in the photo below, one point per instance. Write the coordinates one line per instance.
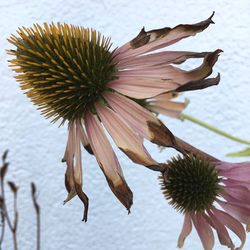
(167, 107)
(235, 171)
(78, 171)
(160, 58)
(141, 88)
(204, 231)
(107, 160)
(156, 39)
(238, 211)
(78, 156)
(240, 193)
(186, 230)
(235, 201)
(84, 139)
(135, 115)
(69, 158)
(73, 175)
(231, 223)
(140, 120)
(124, 137)
(221, 230)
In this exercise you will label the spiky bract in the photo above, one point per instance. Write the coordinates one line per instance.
(63, 69)
(190, 184)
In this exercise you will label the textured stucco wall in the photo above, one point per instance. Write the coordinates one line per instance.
(36, 146)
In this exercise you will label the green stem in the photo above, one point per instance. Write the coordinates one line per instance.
(214, 129)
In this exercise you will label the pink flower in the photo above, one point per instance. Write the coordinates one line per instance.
(71, 73)
(220, 198)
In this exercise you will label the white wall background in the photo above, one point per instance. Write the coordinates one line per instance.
(36, 146)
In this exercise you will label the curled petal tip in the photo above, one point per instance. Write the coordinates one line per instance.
(212, 17)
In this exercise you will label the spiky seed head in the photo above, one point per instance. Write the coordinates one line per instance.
(63, 68)
(190, 184)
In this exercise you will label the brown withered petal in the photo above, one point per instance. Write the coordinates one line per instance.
(151, 36)
(141, 39)
(107, 160)
(122, 192)
(200, 84)
(85, 200)
(162, 136)
(69, 184)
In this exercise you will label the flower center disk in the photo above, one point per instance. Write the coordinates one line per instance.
(190, 184)
(63, 69)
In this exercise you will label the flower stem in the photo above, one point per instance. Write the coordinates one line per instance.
(214, 129)
(38, 219)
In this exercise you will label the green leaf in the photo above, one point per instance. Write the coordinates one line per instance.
(243, 153)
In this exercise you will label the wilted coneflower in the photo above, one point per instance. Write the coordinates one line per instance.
(72, 74)
(197, 187)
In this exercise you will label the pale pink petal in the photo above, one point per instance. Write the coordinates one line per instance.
(236, 171)
(124, 137)
(141, 120)
(221, 230)
(73, 175)
(232, 183)
(240, 193)
(178, 106)
(107, 160)
(142, 88)
(78, 161)
(78, 172)
(134, 114)
(170, 108)
(231, 223)
(162, 104)
(69, 158)
(204, 231)
(232, 200)
(186, 230)
(160, 58)
(239, 212)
